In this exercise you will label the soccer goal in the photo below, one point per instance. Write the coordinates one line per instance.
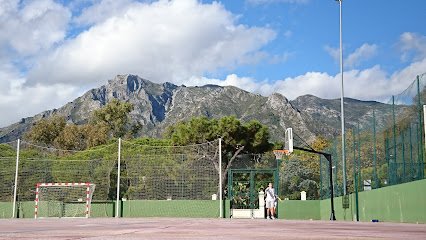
(63, 200)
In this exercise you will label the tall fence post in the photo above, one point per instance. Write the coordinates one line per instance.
(117, 205)
(394, 142)
(359, 174)
(424, 133)
(355, 178)
(16, 179)
(411, 154)
(320, 193)
(376, 179)
(403, 156)
(387, 157)
(419, 107)
(220, 180)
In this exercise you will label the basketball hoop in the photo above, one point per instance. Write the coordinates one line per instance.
(280, 153)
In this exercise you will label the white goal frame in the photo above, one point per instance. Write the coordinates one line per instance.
(89, 194)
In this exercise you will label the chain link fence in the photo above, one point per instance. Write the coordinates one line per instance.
(383, 149)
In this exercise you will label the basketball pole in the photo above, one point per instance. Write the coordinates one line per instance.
(330, 170)
(342, 103)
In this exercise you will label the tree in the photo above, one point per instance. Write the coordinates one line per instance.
(297, 178)
(115, 115)
(71, 137)
(80, 137)
(237, 138)
(96, 134)
(46, 130)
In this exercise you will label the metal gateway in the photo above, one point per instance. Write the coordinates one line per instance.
(246, 191)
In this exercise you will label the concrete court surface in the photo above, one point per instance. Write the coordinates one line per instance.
(188, 228)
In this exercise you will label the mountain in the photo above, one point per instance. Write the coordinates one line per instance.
(157, 106)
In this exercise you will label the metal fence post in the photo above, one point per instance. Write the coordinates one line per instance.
(359, 158)
(220, 180)
(394, 141)
(424, 123)
(411, 154)
(419, 107)
(16, 179)
(117, 206)
(376, 180)
(387, 156)
(320, 188)
(403, 156)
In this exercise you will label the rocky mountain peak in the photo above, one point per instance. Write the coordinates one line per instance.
(157, 106)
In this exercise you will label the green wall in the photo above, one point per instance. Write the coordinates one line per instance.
(296, 209)
(399, 203)
(102, 209)
(6, 209)
(136, 208)
(173, 208)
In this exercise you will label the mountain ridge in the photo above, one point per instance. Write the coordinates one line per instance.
(157, 106)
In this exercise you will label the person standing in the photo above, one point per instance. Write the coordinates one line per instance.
(270, 201)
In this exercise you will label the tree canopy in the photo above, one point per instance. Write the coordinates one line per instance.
(108, 121)
(115, 115)
(251, 137)
(46, 130)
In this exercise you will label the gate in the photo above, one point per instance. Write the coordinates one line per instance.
(244, 186)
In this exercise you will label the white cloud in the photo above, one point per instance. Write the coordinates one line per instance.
(360, 54)
(103, 10)
(412, 46)
(333, 52)
(33, 27)
(365, 52)
(288, 34)
(257, 2)
(19, 101)
(279, 58)
(358, 83)
(27, 30)
(162, 41)
(246, 83)
(178, 41)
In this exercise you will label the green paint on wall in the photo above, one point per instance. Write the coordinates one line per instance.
(137, 208)
(399, 203)
(26, 209)
(6, 209)
(297, 209)
(102, 209)
(173, 208)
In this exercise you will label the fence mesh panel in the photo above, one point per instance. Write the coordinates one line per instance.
(386, 147)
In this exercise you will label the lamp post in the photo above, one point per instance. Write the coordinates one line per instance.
(342, 103)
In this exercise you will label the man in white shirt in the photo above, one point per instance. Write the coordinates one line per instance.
(270, 201)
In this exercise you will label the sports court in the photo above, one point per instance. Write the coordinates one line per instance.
(154, 190)
(190, 228)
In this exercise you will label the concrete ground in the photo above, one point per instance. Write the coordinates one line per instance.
(178, 228)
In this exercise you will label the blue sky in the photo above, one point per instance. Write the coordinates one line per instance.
(52, 51)
(314, 24)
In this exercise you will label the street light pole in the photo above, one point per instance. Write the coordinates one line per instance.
(342, 103)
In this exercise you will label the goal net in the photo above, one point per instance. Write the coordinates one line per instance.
(71, 200)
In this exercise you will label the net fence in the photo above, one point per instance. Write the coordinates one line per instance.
(385, 147)
(170, 172)
(147, 171)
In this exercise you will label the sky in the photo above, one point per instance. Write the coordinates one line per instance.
(52, 51)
